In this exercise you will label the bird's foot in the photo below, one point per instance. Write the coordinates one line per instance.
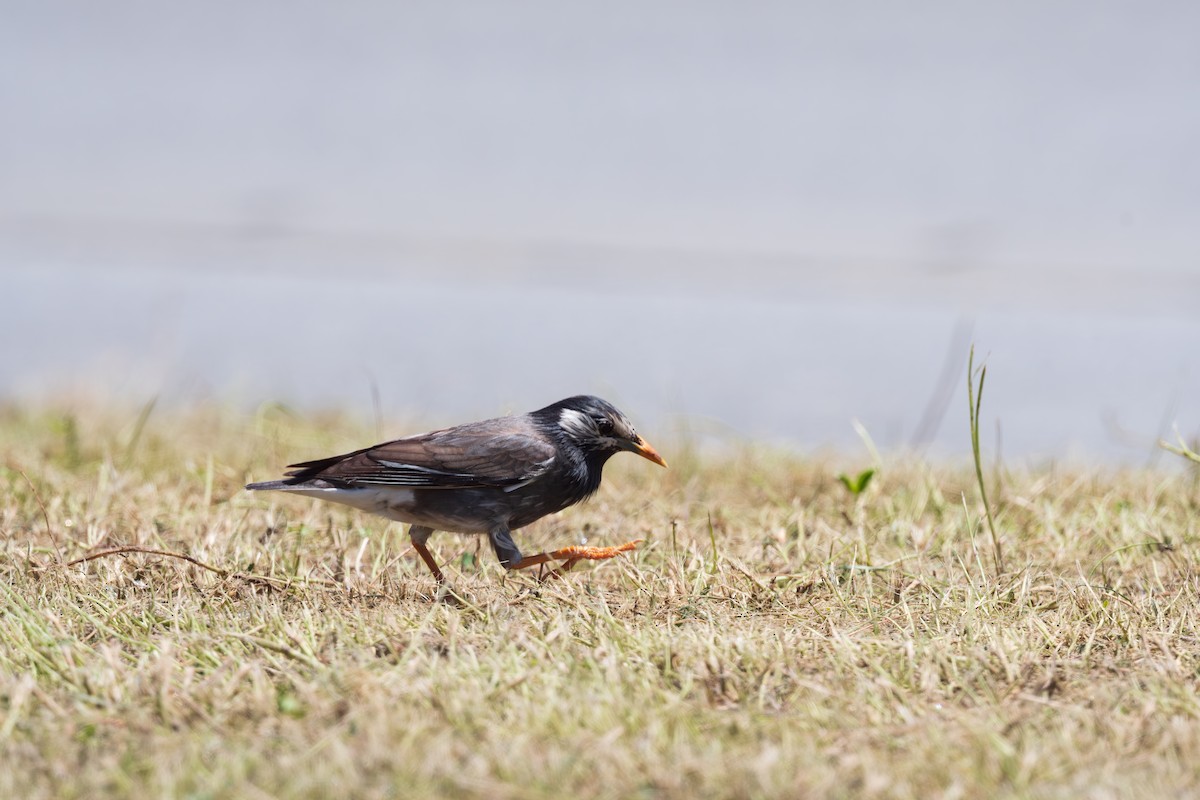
(448, 595)
(573, 555)
(576, 553)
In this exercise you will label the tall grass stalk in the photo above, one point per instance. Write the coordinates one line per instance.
(974, 402)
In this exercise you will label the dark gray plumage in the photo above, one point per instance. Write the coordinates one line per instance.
(487, 477)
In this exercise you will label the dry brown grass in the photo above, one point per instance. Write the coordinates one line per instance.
(809, 644)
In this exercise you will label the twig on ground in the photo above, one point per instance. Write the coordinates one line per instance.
(45, 514)
(224, 573)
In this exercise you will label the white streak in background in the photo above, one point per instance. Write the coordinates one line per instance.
(956, 134)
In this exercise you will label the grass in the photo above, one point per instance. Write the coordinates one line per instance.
(775, 635)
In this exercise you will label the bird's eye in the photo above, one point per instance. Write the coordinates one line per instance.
(605, 426)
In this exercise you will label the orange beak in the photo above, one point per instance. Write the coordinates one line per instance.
(643, 449)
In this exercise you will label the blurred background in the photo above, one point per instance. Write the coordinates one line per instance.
(760, 220)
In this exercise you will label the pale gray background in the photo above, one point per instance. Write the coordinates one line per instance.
(763, 219)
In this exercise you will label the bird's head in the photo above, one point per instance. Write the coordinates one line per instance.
(596, 426)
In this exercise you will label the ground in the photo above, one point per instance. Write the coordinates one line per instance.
(775, 635)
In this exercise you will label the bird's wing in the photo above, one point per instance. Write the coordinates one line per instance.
(468, 456)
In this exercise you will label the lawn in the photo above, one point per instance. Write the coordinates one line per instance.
(775, 635)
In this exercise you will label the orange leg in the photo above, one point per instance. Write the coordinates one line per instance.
(427, 557)
(573, 554)
(419, 535)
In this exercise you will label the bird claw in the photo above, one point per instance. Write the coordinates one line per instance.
(575, 553)
(448, 596)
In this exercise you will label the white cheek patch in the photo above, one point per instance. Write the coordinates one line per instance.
(577, 424)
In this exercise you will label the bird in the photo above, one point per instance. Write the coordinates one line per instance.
(488, 477)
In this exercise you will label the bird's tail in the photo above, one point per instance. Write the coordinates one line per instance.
(254, 487)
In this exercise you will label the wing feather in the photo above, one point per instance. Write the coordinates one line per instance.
(495, 453)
